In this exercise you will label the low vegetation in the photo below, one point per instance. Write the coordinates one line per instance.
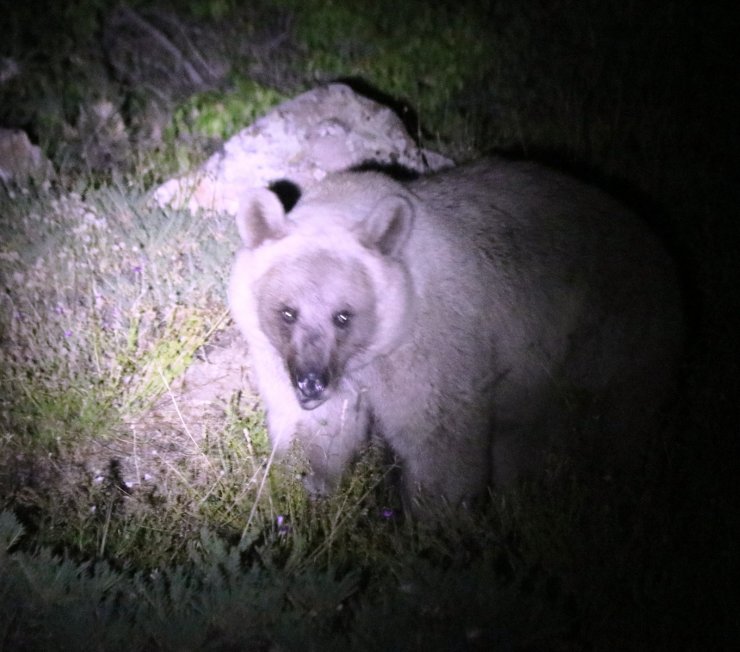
(135, 518)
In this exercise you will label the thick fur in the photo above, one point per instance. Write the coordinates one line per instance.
(473, 319)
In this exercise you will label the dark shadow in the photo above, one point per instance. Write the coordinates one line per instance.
(393, 170)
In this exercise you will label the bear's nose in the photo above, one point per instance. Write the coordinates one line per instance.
(312, 385)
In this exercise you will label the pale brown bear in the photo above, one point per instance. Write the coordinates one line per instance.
(473, 319)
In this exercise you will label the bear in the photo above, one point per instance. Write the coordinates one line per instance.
(472, 319)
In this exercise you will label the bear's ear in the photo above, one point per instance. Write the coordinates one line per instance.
(388, 226)
(260, 217)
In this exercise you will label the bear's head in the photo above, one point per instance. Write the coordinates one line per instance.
(325, 286)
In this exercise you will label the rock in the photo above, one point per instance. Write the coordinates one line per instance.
(327, 129)
(20, 160)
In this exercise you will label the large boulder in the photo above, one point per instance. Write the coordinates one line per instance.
(324, 130)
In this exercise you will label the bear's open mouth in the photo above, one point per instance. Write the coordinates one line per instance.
(311, 388)
(310, 403)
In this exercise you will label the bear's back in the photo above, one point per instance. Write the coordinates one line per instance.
(539, 253)
(536, 290)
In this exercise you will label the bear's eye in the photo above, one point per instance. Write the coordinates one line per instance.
(288, 315)
(342, 319)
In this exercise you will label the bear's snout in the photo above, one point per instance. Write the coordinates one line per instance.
(312, 386)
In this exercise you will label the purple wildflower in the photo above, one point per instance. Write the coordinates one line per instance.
(282, 525)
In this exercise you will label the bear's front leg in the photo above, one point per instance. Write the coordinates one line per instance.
(331, 436)
(444, 462)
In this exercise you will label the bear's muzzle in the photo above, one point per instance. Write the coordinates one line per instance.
(311, 388)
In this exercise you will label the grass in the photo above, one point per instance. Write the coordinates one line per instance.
(137, 518)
